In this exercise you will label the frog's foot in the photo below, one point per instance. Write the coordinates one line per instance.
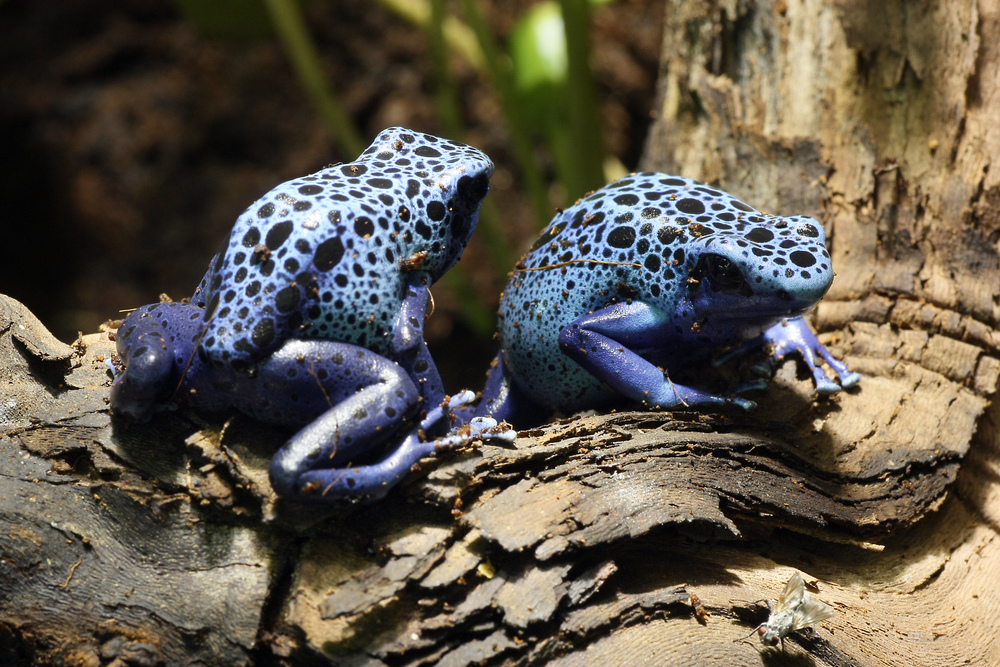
(370, 482)
(484, 429)
(795, 335)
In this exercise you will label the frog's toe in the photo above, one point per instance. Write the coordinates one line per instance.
(744, 403)
(826, 387)
(489, 429)
(461, 398)
(849, 379)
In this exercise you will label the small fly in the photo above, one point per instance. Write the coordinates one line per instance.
(793, 611)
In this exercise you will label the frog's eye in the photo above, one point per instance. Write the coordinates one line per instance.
(471, 191)
(722, 274)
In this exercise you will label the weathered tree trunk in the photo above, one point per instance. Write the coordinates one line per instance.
(588, 540)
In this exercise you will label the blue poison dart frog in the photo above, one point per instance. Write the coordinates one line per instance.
(312, 315)
(644, 277)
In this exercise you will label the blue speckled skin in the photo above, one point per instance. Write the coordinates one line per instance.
(646, 275)
(312, 314)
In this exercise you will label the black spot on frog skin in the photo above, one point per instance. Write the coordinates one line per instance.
(436, 211)
(802, 258)
(278, 235)
(328, 254)
(251, 238)
(263, 333)
(667, 234)
(311, 189)
(423, 230)
(426, 151)
(265, 211)
(760, 235)
(690, 206)
(550, 233)
(363, 226)
(622, 237)
(627, 200)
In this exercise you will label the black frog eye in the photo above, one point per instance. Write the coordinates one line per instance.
(472, 190)
(722, 274)
(725, 276)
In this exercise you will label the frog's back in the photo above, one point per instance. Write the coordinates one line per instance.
(329, 255)
(641, 238)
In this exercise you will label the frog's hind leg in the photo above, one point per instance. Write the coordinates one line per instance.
(366, 483)
(367, 399)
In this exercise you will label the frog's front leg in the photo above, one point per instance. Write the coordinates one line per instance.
(148, 361)
(795, 335)
(602, 343)
(408, 347)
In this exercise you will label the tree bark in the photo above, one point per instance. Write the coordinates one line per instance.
(592, 539)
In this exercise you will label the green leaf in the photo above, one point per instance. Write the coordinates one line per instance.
(538, 49)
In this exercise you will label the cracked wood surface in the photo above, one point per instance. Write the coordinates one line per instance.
(584, 542)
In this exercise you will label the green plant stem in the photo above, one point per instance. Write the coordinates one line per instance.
(291, 28)
(449, 110)
(445, 93)
(503, 81)
(584, 114)
(480, 319)
(456, 34)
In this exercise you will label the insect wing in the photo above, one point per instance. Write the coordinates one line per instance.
(792, 596)
(809, 612)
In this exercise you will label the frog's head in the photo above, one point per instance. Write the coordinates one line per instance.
(776, 267)
(443, 184)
